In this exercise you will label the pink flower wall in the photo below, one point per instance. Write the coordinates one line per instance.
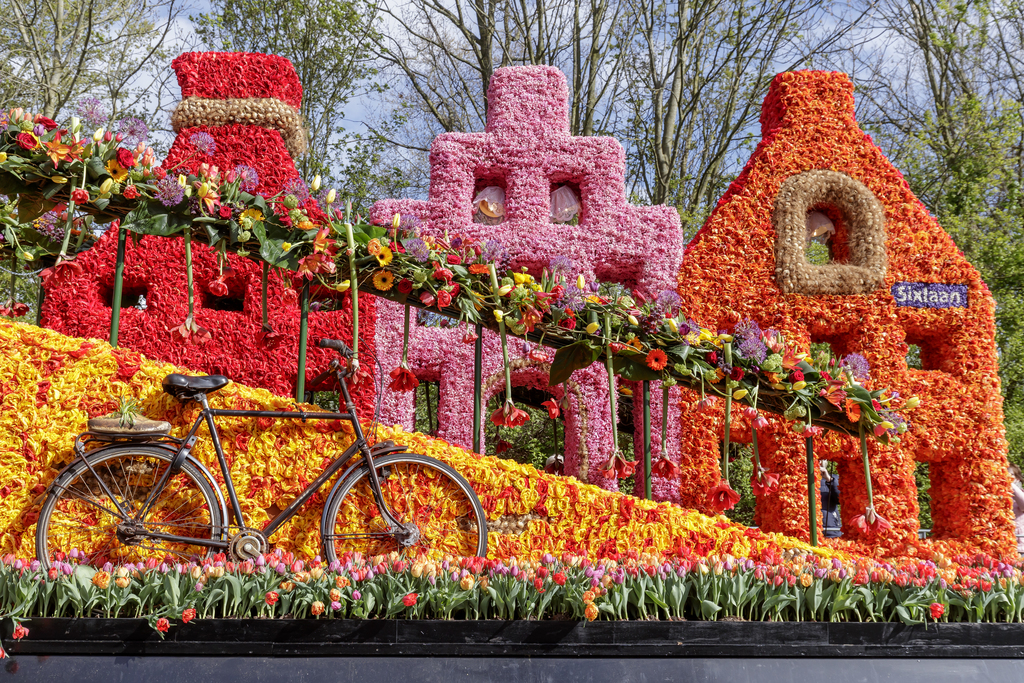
(528, 151)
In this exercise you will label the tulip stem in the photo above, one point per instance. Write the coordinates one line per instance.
(647, 439)
(812, 499)
(727, 347)
(115, 302)
(263, 297)
(501, 329)
(611, 384)
(664, 421)
(353, 286)
(405, 339)
(188, 271)
(867, 465)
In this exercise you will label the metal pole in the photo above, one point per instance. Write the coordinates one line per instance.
(812, 506)
(478, 390)
(300, 383)
(115, 302)
(39, 305)
(647, 439)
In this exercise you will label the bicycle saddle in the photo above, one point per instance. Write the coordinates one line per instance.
(186, 388)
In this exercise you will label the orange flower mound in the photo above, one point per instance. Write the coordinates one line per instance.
(52, 384)
(733, 269)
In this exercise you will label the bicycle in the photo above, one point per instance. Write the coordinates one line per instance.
(135, 494)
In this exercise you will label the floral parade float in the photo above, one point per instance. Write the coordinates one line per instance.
(527, 156)
(743, 375)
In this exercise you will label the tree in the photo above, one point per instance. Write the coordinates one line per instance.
(54, 51)
(328, 43)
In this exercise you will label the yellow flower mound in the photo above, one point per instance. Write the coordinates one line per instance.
(50, 385)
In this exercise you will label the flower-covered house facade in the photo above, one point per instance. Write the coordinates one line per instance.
(893, 278)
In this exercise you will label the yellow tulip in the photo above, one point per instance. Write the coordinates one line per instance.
(725, 337)
(59, 179)
(632, 320)
(593, 327)
(799, 385)
(98, 135)
(396, 221)
(580, 282)
(673, 325)
(499, 314)
(331, 196)
(204, 190)
(316, 184)
(887, 424)
(912, 403)
(343, 286)
(182, 180)
(505, 291)
(3, 157)
(106, 185)
(739, 393)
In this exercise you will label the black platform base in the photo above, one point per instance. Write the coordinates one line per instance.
(226, 651)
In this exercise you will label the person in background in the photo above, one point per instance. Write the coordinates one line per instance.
(830, 502)
(1018, 505)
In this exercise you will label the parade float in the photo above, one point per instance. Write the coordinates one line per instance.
(527, 237)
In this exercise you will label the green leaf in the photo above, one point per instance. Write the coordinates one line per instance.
(708, 609)
(570, 358)
(634, 370)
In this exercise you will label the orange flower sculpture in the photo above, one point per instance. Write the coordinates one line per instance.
(892, 278)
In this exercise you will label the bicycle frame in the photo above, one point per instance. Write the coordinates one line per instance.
(207, 416)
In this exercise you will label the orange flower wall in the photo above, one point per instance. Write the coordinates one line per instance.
(729, 274)
(51, 384)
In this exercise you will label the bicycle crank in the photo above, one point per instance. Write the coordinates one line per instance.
(247, 544)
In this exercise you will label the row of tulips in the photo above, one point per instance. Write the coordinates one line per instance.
(797, 588)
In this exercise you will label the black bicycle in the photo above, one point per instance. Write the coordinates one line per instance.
(133, 494)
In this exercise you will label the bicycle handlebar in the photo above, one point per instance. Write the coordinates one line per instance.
(336, 344)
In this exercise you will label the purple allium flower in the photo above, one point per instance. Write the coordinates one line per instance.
(857, 365)
(297, 187)
(493, 251)
(169, 192)
(92, 112)
(753, 348)
(134, 131)
(667, 301)
(560, 265)
(418, 249)
(203, 142)
(248, 178)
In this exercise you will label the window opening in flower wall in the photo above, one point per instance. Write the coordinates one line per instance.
(224, 303)
(489, 198)
(565, 202)
(131, 297)
(826, 236)
(532, 443)
(923, 352)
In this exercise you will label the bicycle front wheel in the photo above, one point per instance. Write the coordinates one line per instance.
(97, 515)
(436, 505)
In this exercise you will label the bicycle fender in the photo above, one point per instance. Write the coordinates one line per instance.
(97, 451)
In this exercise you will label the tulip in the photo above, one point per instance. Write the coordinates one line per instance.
(912, 403)
(98, 135)
(204, 190)
(580, 282)
(316, 184)
(3, 157)
(739, 393)
(182, 181)
(499, 314)
(59, 179)
(592, 328)
(331, 195)
(106, 185)
(673, 325)
(505, 290)
(797, 386)
(396, 221)
(632, 320)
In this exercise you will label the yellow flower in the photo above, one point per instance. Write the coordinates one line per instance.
(3, 157)
(286, 246)
(522, 278)
(383, 280)
(739, 393)
(384, 256)
(342, 286)
(116, 170)
(252, 214)
(592, 328)
(59, 179)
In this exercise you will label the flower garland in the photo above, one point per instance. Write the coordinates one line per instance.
(808, 125)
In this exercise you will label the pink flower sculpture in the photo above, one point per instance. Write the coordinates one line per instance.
(527, 150)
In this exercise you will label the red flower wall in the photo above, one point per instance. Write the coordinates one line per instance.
(155, 267)
(807, 122)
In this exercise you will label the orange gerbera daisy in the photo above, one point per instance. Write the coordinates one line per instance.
(656, 359)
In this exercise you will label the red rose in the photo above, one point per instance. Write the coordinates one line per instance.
(162, 624)
(737, 373)
(79, 196)
(410, 599)
(568, 323)
(443, 298)
(712, 357)
(405, 286)
(454, 259)
(131, 192)
(159, 173)
(27, 141)
(443, 274)
(454, 289)
(48, 124)
(427, 299)
(125, 158)
(797, 376)
(224, 211)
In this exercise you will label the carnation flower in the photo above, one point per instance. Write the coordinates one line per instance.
(203, 142)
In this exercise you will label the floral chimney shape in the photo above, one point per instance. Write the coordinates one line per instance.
(528, 150)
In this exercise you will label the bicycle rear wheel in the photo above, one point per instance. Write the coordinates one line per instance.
(97, 519)
(424, 494)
